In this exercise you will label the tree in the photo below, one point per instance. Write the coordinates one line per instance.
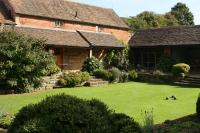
(143, 20)
(183, 14)
(146, 20)
(23, 60)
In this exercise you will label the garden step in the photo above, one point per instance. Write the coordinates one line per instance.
(96, 82)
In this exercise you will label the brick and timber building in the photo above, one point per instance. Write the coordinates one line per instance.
(73, 31)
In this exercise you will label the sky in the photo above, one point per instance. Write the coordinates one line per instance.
(126, 8)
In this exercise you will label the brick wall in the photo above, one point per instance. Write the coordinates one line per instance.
(73, 58)
(50, 23)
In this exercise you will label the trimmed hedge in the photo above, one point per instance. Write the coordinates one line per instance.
(62, 114)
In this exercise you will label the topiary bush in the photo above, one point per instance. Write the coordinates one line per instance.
(133, 75)
(165, 63)
(62, 114)
(103, 74)
(73, 79)
(180, 69)
(92, 64)
(198, 106)
(23, 62)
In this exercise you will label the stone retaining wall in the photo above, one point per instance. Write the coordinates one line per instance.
(49, 82)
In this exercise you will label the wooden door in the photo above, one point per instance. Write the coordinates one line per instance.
(58, 53)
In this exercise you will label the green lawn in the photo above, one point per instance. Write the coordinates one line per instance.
(129, 98)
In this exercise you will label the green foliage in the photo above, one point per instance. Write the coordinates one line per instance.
(179, 15)
(146, 20)
(124, 77)
(148, 121)
(92, 64)
(117, 58)
(165, 63)
(185, 127)
(115, 74)
(133, 75)
(122, 123)
(62, 113)
(180, 69)
(73, 79)
(158, 74)
(183, 14)
(23, 61)
(198, 106)
(103, 74)
(5, 120)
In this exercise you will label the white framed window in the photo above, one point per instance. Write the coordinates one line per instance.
(59, 23)
(98, 29)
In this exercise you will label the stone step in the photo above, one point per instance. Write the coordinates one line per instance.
(95, 80)
(97, 83)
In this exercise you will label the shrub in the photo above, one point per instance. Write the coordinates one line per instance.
(73, 79)
(185, 127)
(5, 120)
(85, 76)
(133, 75)
(62, 113)
(158, 74)
(23, 62)
(115, 74)
(122, 123)
(148, 121)
(180, 69)
(103, 74)
(124, 77)
(92, 64)
(165, 64)
(198, 106)
(117, 58)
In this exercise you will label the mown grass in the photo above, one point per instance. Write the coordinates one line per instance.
(130, 98)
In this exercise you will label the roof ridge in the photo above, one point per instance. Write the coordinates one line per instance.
(169, 27)
(86, 4)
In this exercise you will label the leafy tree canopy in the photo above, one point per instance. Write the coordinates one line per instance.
(179, 15)
(182, 14)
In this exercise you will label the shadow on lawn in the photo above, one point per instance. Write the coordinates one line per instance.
(173, 85)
